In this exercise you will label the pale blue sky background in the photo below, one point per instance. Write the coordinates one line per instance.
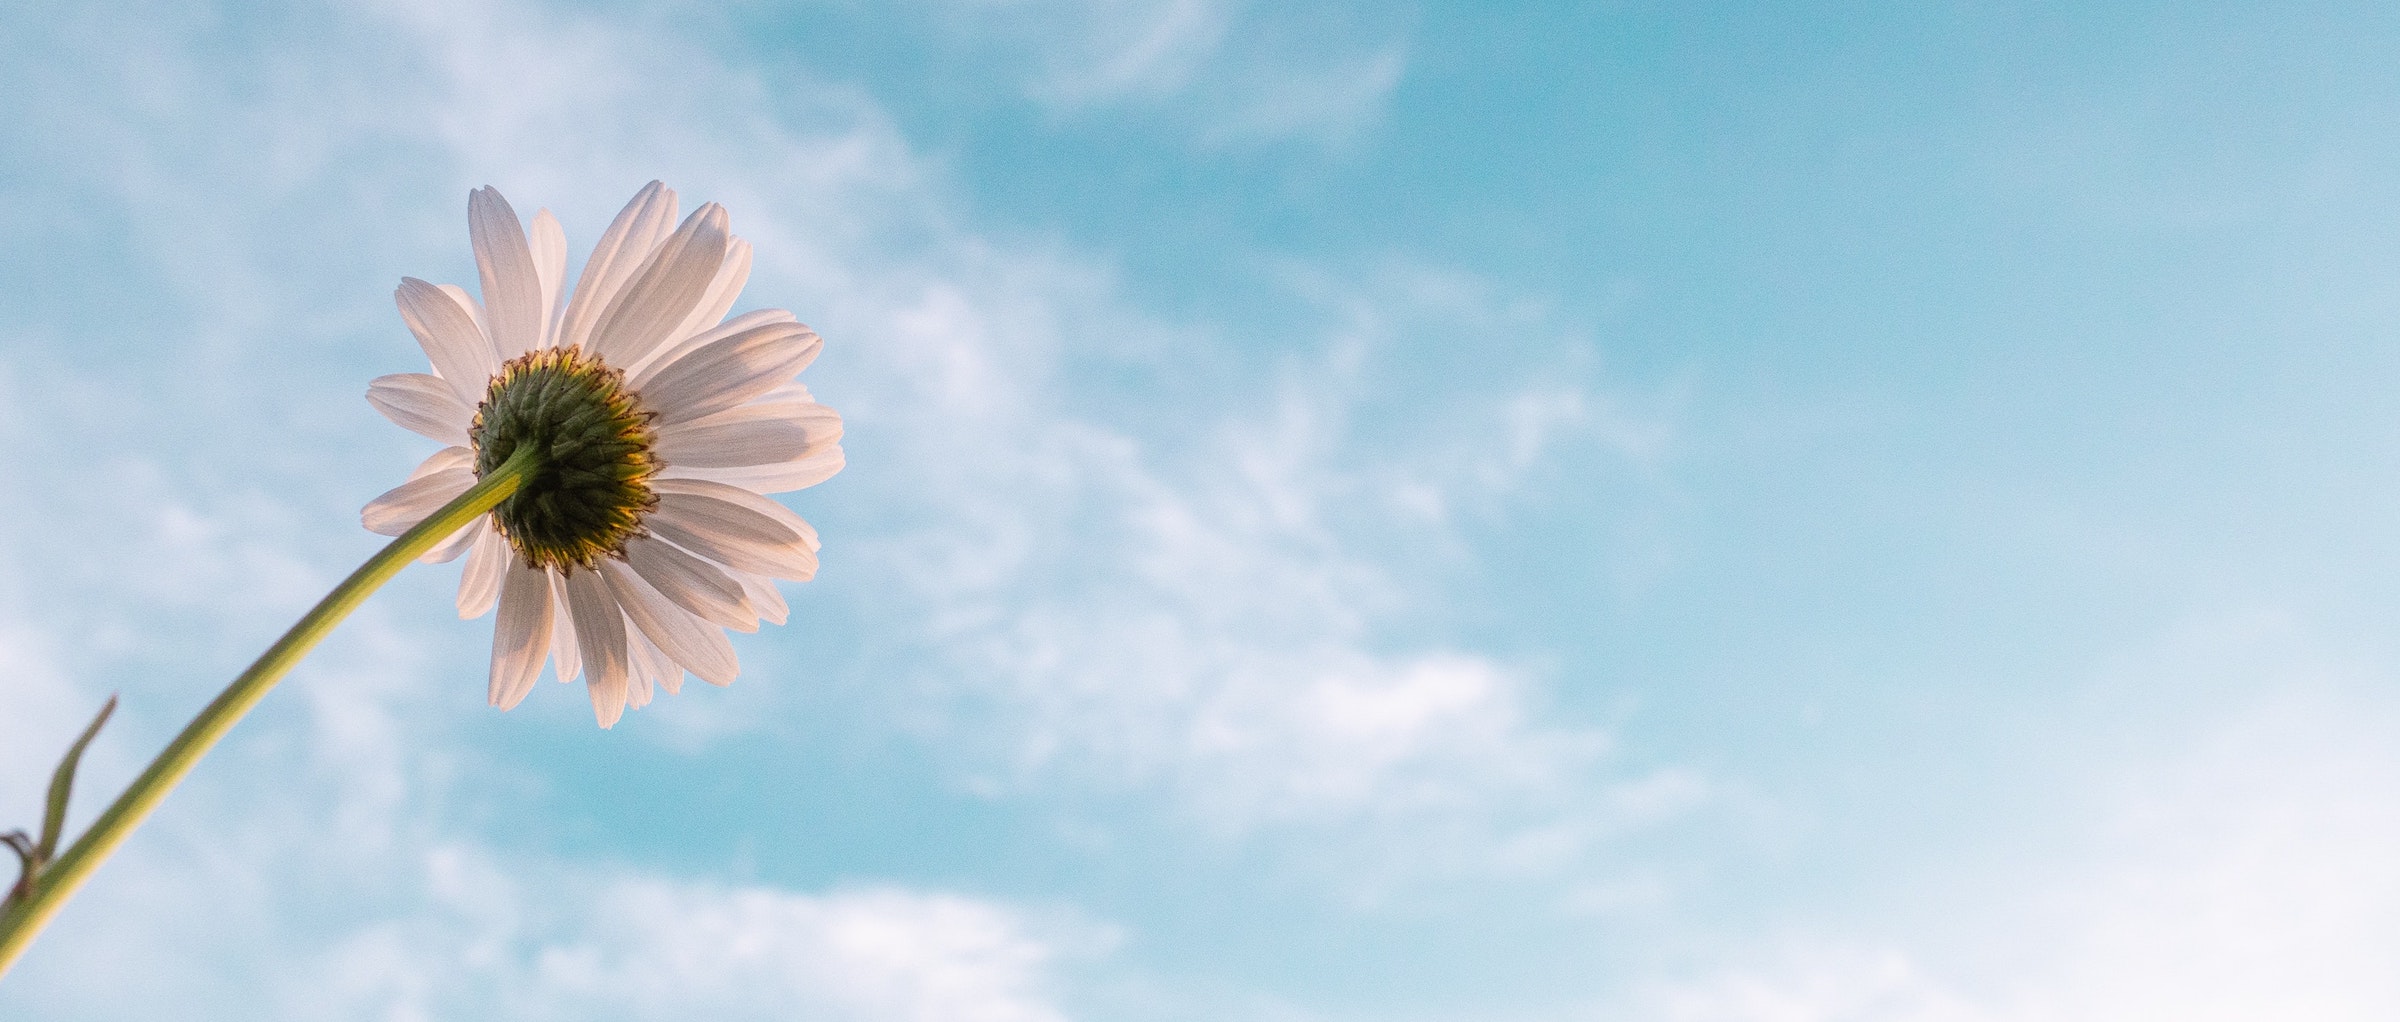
(1438, 511)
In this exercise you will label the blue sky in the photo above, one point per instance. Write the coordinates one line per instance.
(1678, 512)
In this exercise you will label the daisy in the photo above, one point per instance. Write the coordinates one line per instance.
(659, 425)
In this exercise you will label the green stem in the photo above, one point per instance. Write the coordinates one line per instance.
(61, 878)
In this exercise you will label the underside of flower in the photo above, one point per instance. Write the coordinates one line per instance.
(592, 489)
(643, 430)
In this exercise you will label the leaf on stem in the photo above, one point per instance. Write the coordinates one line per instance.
(62, 783)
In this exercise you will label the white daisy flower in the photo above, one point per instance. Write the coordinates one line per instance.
(644, 533)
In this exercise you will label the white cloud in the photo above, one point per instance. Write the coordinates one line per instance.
(1107, 51)
(2238, 870)
(1237, 72)
(1233, 617)
(890, 954)
(579, 944)
(1331, 99)
(1823, 984)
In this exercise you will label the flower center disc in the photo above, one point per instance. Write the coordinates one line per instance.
(591, 487)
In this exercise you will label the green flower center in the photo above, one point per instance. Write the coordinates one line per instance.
(592, 486)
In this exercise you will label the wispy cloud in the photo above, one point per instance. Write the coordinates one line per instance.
(637, 947)
(1237, 72)
(1231, 619)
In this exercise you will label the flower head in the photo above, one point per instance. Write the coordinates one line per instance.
(643, 532)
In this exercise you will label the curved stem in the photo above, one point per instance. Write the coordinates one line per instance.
(60, 879)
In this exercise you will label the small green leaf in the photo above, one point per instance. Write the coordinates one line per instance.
(54, 815)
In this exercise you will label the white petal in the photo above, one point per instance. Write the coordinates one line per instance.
(549, 246)
(698, 646)
(666, 355)
(422, 404)
(622, 250)
(793, 392)
(764, 596)
(512, 288)
(403, 506)
(823, 421)
(563, 647)
(448, 459)
(467, 304)
(693, 584)
(452, 341)
(750, 435)
(729, 372)
(444, 460)
(646, 668)
(668, 673)
(521, 634)
(727, 286)
(479, 584)
(750, 499)
(817, 462)
(669, 286)
(600, 638)
(734, 536)
(777, 478)
(453, 545)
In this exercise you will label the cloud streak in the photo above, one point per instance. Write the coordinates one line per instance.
(1235, 73)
